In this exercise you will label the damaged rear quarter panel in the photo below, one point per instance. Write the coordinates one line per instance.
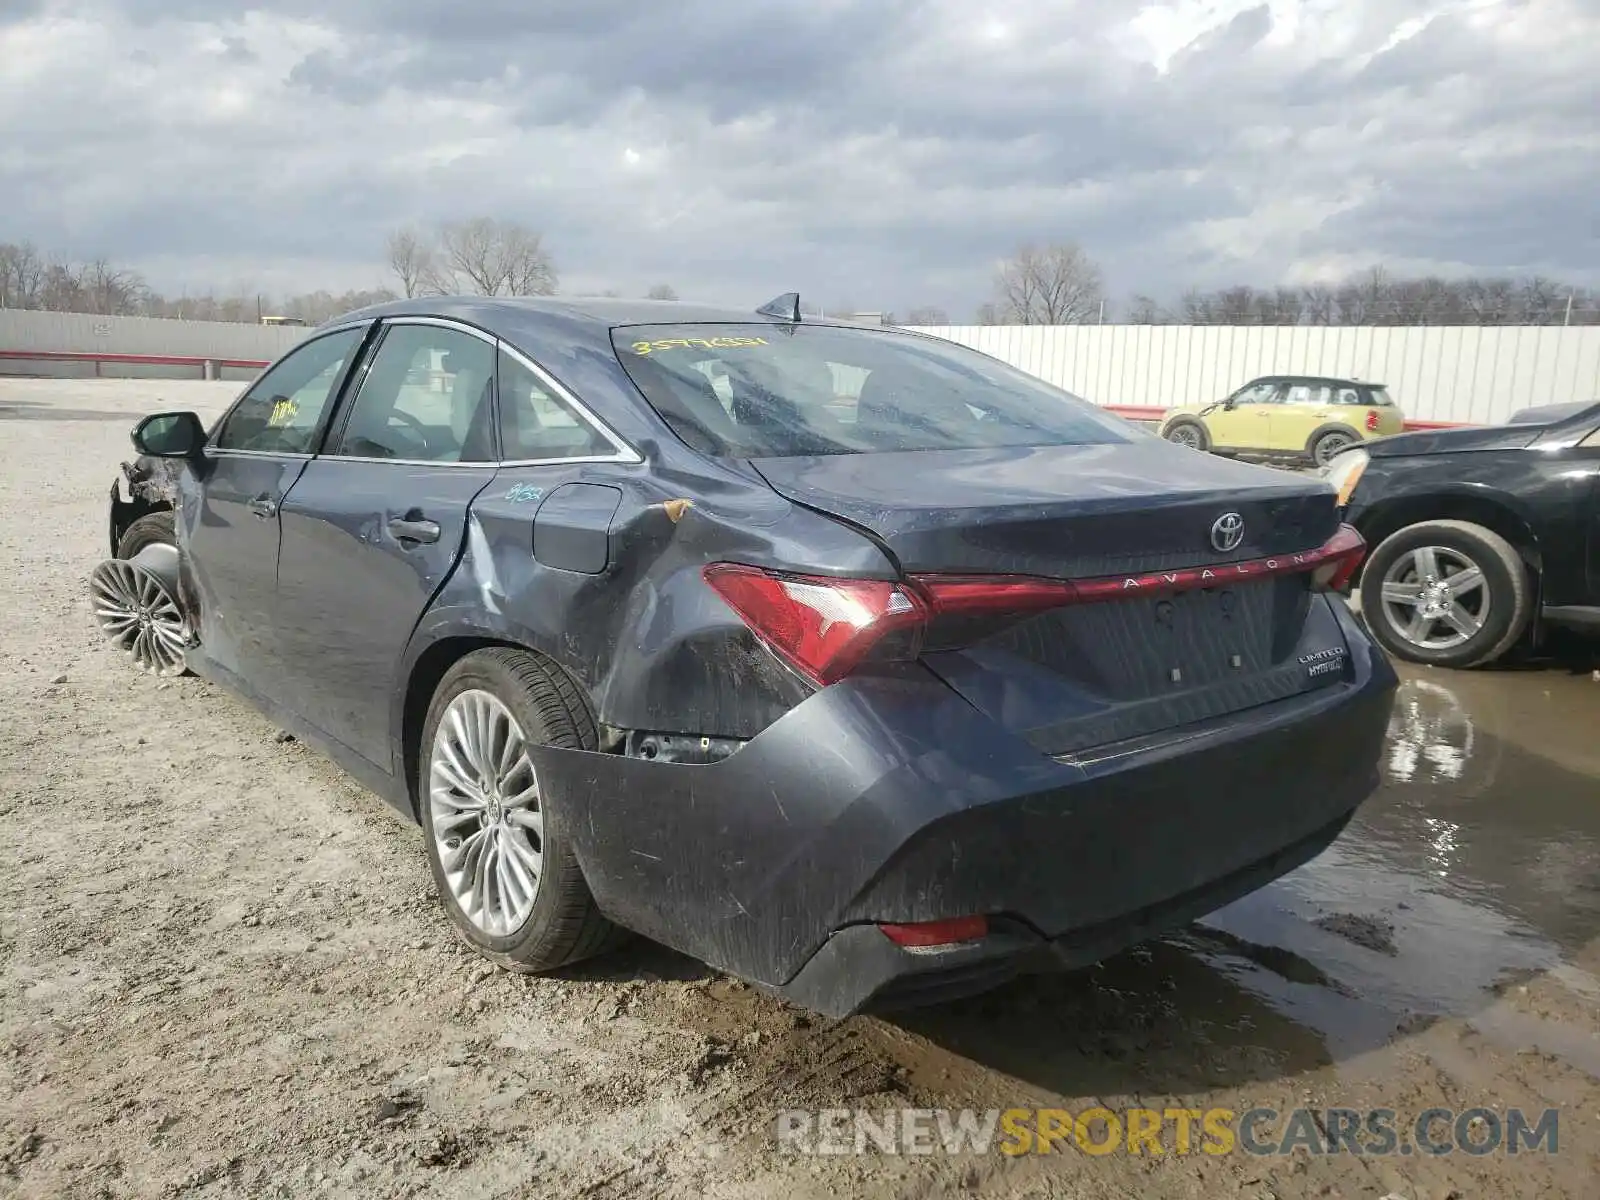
(749, 868)
(650, 644)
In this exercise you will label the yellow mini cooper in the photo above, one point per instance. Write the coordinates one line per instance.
(1287, 416)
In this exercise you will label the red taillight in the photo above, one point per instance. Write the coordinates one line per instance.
(1372, 420)
(822, 627)
(1338, 560)
(825, 627)
(926, 934)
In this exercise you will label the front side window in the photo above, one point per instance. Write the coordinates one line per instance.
(282, 411)
(767, 391)
(426, 398)
(1257, 393)
(535, 426)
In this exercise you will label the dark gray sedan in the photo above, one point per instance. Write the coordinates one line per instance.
(848, 660)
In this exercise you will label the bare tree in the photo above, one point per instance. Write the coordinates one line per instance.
(1321, 305)
(1049, 285)
(1541, 301)
(1144, 310)
(62, 289)
(22, 270)
(532, 271)
(411, 260)
(927, 315)
(1374, 297)
(661, 291)
(109, 290)
(1200, 308)
(494, 258)
(1281, 306)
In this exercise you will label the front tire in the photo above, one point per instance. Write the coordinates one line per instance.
(1446, 593)
(152, 529)
(503, 865)
(1186, 431)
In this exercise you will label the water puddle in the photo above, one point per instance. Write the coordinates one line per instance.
(1477, 863)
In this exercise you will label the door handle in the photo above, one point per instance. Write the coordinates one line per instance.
(408, 530)
(264, 506)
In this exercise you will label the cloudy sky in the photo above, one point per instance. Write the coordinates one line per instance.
(881, 153)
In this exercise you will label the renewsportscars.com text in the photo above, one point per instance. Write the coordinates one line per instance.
(1162, 1131)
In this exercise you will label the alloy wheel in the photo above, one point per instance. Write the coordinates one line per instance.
(137, 612)
(484, 812)
(1435, 597)
(1184, 435)
(1332, 445)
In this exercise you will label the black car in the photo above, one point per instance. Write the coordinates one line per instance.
(848, 660)
(1482, 536)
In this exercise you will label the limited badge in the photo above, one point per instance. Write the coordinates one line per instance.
(1324, 662)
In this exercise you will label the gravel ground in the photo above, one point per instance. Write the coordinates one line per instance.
(225, 974)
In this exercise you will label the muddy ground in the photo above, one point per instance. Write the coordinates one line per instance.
(225, 973)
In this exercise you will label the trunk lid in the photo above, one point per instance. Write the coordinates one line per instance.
(1458, 440)
(1090, 675)
(1059, 511)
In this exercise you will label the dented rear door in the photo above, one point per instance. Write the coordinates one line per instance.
(353, 582)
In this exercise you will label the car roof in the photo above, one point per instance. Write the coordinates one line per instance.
(507, 315)
(1333, 379)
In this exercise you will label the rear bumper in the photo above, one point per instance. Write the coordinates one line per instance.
(888, 798)
(859, 967)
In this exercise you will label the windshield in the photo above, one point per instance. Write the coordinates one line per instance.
(770, 391)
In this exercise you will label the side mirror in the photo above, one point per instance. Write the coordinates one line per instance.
(169, 435)
(1230, 403)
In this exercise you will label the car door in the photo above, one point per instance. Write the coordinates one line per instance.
(1301, 409)
(375, 523)
(1244, 426)
(229, 519)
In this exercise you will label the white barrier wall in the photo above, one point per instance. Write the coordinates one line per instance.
(88, 333)
(1472, 375)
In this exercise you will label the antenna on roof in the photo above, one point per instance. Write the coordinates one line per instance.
(785, 307)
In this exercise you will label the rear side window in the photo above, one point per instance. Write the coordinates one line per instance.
(1380, 397)
(770, 391)
(1310, 393)
(536, 426)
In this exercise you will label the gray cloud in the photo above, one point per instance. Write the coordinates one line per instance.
(883, 150)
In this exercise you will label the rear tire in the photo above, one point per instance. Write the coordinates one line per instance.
(1395, 588)
(1335, 441)
(152, 529)
(560, 924)
(1186, 431)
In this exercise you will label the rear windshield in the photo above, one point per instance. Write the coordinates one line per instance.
(772, 391)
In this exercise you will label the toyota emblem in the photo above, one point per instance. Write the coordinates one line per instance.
(1227, 531)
